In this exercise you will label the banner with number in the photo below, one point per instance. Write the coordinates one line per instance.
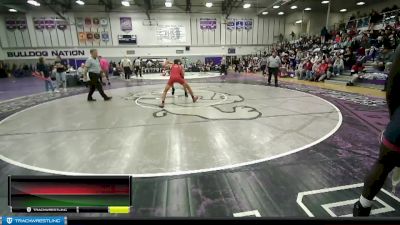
(39, 23)
(239, 24)
(208, 24)
(11, 24)
(61, 24)
(21, 23)
(230, 24)
(50, 23)
(248, 24)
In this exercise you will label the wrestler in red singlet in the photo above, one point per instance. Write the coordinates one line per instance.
(176, 76)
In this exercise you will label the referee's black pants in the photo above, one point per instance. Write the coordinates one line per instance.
(94, 84)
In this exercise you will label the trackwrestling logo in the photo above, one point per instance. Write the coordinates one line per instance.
(55, 220)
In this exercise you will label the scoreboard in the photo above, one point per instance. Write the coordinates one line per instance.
(69, 194)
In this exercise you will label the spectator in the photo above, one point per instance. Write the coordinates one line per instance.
(355, 70)
(338, 66)
(61, 67)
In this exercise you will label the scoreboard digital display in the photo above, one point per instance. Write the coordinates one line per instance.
(62, 194)
(127, 39)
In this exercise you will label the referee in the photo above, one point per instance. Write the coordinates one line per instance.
(92, 66)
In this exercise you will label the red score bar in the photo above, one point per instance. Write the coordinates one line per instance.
(69, 189)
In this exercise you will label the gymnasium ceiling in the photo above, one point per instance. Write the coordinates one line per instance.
(226, 7)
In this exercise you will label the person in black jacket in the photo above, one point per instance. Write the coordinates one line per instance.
(44, 70)
(389, 155)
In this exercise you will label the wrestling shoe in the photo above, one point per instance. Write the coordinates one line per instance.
(173, 91)
(91, 100)
(186, 94)
(195, 99)
(359, 210)
(108, 99)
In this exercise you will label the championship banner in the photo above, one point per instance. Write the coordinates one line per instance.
(208, 24)
(104, 22)
(171, 33)
(96, 37)
(96, 21)
(11, 24)
(82, 37)
(88, 21)
(230, 24)
(239, 24)
(125, 23)
(89, 36)
(79, 21)
(61, 24)
(21, 24)
(248, 24)
(50, 23)
(105, 36)
(39, 23)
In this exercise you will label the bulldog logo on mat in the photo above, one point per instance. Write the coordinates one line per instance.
(211, 105)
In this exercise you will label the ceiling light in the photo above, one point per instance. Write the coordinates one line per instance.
(360, 3)
(12, 10)
(299, 21)
(276, 6)
(247, 5)
(343, 10)
(80, 2)
(125, 3)
(307, 9)
(281, 13)
(209, 4)
(325, 2)
(168, 3)
(33, 2)
(293, 7)
(265, 13)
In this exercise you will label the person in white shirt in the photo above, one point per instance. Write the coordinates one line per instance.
(127, 64)
(338, 66)
(273, 64)
(82, 77)
(138, 68)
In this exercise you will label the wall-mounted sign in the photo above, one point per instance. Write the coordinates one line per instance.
(125, 23)
(21, 23)
(50, 23)
(248, 24)
(104, 22)
(79, 22)
(127, 39)
(171, 33)
(45, 53)
(231, 50)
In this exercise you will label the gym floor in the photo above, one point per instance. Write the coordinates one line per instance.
(245, 149)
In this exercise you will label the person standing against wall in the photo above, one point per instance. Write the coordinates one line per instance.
(61, 67)
(138, 67)
(92, 66)
(273, 64)
(126, 65)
